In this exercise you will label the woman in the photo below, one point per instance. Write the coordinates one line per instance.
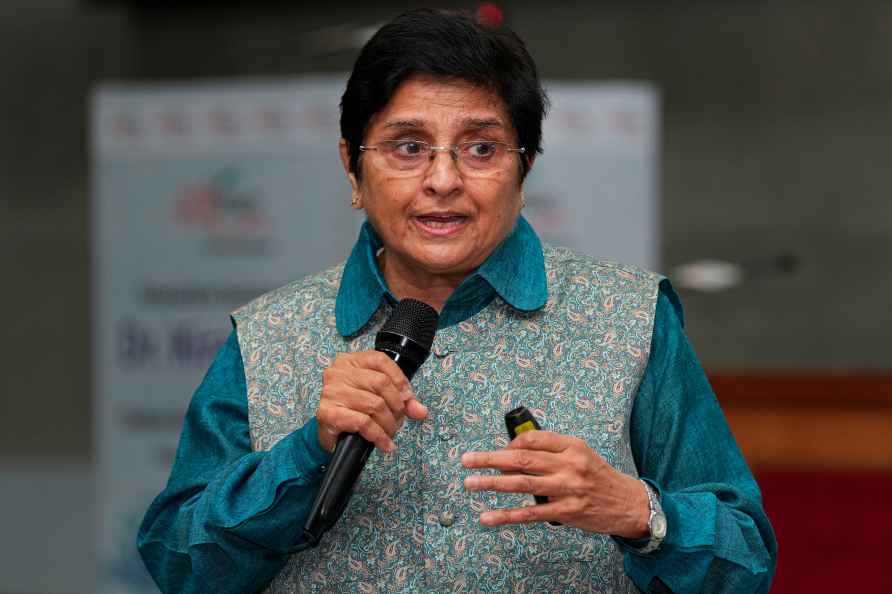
(441, 122)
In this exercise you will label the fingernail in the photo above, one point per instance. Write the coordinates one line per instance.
(471, 483)
(486, 517)
(465, 459)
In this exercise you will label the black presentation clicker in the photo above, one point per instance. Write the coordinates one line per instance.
(518, 421)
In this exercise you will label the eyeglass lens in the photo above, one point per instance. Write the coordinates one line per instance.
(409, 155)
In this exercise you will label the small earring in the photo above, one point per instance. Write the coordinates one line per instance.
(523, 201)
(354, 202)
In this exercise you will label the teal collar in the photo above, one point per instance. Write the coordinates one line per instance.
(515, 271)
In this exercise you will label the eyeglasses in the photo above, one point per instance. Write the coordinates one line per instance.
(473, 157)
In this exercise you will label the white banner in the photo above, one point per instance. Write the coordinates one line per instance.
(206, 196)
(596, 187)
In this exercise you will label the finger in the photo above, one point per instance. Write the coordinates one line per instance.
(382, 363)
(345, 420)
(514, 483)
(370, 404)
(378, 383)
(528, 461)
(552, 511)
(546, 441)
(355, 422)
(415, 410)
(546, 512)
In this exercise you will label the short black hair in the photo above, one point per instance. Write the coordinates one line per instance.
(446, 44)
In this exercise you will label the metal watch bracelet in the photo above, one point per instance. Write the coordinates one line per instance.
(656, 523)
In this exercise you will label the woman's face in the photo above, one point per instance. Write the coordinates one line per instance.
(439, 221)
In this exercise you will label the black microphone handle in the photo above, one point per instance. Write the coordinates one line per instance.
(349, 458)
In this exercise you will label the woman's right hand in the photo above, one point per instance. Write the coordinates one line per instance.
(365, 393)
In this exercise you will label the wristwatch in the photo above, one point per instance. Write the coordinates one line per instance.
(656, 523)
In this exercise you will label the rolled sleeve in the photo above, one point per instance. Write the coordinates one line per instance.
(229, 516)
(719, 538)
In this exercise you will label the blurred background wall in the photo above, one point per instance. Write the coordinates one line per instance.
(776, 125)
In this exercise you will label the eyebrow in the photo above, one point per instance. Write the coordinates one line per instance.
(482, 123)
(469, 123)
(411, 124)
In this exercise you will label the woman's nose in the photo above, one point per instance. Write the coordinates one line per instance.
(442, 176)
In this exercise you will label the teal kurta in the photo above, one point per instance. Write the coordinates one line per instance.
(230, 516)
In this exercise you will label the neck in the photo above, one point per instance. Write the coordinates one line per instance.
(405, 282)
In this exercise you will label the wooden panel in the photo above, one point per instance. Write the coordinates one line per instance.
(810, 420)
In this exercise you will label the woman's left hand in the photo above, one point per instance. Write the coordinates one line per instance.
(583, 489)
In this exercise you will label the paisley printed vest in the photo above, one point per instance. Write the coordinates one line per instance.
(410, 526)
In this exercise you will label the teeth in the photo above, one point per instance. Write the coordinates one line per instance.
(441, 222)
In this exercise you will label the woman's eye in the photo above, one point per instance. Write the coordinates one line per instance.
(482, 149)
(409, 148)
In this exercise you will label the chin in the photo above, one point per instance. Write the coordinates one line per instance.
(442, 267)
(446, 265)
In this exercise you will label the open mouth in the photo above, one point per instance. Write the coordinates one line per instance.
(442, 221)
(441, 224)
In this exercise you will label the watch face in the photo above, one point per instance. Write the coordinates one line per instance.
(658, 526)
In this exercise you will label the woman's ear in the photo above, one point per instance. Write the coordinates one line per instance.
(530, 160)
(355, 194)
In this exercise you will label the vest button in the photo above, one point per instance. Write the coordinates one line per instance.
(445, 434)
(447, 519)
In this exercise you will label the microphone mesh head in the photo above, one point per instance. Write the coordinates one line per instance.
(413, 319)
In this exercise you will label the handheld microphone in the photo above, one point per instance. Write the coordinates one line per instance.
(406, 337)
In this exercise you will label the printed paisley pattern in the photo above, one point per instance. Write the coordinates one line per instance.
(576, 363)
